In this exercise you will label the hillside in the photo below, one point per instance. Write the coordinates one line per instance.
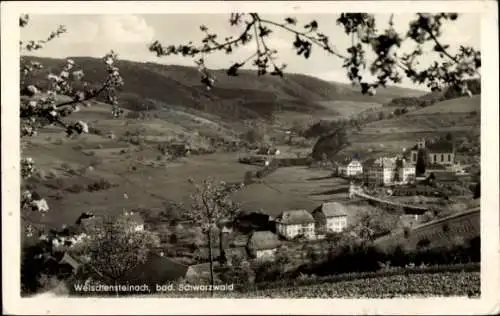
(241, 97)
(456, 105)
(458, 116)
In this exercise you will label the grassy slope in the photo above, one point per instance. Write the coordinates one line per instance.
(459, 116)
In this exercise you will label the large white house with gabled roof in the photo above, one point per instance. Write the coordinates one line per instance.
(293, 223)
(330, 217)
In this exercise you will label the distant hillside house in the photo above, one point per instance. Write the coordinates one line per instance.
(350, 169)
(389, 171)
(330, 217)
(268, 150)
(291, 224)
(439, 152)
(263, 245)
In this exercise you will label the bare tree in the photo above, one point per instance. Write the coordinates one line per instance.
(212, 207)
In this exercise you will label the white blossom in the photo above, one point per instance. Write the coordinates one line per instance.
(78, 74)
(51, 76)
(40, 205)
(26, 195)
(53, 113)
(84, 126)
(32, 103)
(32, 89)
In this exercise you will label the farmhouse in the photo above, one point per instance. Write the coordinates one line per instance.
(330, 217)
(438, 152)
(291, 224)
(268, 150)
(353, 168)
(263, 244)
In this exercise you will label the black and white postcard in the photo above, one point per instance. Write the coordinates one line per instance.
(343, 152)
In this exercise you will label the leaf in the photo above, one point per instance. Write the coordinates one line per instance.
(290, 20)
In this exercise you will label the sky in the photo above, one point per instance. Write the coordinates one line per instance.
(129, 35)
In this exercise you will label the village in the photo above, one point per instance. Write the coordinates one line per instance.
(259, 237)
(246, 174)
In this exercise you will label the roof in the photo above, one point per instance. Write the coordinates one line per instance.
(70, 260)
(437, 146)
(333, 209)
(156, 269)
(440, 146)
(262, 240)
(295, 217)
(236, 251)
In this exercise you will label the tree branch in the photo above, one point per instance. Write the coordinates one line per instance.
(436, 41)
(312, 39)
(90, 96)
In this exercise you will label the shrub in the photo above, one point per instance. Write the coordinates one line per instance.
(102, 184)
(76, 188)
(58, 196)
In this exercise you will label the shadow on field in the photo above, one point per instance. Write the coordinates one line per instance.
(334, 191)
(319, 178)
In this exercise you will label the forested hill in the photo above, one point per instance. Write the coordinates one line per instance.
(243, 96)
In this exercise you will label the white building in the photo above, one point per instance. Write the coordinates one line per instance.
(440, 152)
(291, 224)
(330, 217)
(351, 169)
(389, 171)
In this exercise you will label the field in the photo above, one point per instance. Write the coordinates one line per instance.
(293, 188)
(349, 108)
(457, 105)
(441, 284)
(436, 284)
(456, 116)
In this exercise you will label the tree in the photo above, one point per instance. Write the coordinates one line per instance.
(388, 66)
(211, 208)
(421, 162)
(449, 137)
(115, 248)
(254, 134)
(41, 107)
(330, 144)
(477, 190)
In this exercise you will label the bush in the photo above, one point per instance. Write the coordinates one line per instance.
(102, 184)
(76, 188)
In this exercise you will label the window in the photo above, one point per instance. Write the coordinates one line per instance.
(442, 157)
(414, 157)
(449, 157)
